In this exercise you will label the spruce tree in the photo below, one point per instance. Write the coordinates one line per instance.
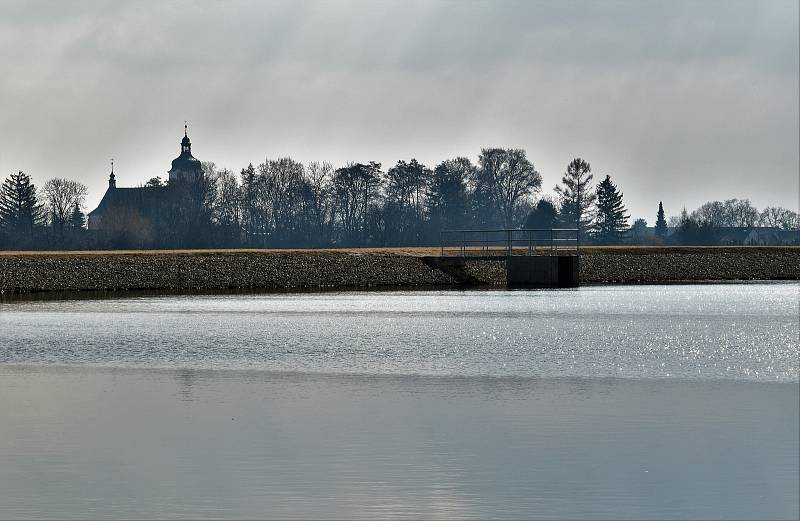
(19, 208)
(77, 220)
(612, 219)
(576, 197)
(661, 222)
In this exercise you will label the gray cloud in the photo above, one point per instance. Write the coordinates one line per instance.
(680, 101)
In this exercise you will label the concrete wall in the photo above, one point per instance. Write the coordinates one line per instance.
(542, 271)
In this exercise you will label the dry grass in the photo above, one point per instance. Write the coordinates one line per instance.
(408, 251)
(237, 251)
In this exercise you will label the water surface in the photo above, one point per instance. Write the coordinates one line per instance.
(604, 402)
(740, 331)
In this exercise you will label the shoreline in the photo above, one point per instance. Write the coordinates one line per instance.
(368, 269)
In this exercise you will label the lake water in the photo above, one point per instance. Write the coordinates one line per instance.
(623, 402)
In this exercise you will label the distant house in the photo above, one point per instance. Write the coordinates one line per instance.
(730, 236)
(146, 211)
(788, 237)
(758, 236)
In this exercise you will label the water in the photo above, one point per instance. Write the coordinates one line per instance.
(604, 402)
(745, 331)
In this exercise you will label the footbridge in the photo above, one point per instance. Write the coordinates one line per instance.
(534, 257)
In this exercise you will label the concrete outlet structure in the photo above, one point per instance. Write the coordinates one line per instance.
(551, 271)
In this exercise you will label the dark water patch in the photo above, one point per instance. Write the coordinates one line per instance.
(142, 443)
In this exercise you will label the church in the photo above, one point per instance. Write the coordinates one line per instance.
(144, 210)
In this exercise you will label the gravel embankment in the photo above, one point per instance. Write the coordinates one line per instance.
(298, 269)
(618, 265)
(200, 271)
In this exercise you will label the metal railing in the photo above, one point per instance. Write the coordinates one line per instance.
(505, 242)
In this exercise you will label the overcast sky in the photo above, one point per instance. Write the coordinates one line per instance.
(678, 101)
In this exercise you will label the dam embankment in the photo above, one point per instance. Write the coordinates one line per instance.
(24, 272)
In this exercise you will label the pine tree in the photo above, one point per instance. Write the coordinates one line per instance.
(19, 208)
(612, 218)
(661, 222)
(576, 197)
(77, 220)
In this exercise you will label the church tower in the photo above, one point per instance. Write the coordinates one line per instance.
(185, 168)
(112, 179)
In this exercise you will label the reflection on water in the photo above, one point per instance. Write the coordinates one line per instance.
(186, 379)
(729, 331)
(89, 442)
(606, 402)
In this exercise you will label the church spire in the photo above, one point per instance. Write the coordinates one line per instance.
(112, 180)
(186, 145)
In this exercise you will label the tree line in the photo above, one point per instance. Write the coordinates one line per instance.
(285, 203)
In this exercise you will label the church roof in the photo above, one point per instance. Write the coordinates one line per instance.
(186, 162)
(147, 198)
(140, 198)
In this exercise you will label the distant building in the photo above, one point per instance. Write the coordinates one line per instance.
(758, 236)
(729, 236)
(144, 210)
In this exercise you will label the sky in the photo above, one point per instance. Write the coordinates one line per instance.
(680, 102)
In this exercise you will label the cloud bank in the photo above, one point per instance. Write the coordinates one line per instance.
(677, 101)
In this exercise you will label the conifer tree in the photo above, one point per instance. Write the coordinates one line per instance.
(77, 220)
(576, 197)
(19, 208)
(661, 222)
(612, 218)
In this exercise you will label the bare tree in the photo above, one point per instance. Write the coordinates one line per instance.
(355, 189)
(740, 213)
(406, 186)
(779, 217)
(447, 198)
(282, 192)
(509, 177)
(227, 199)
(61, 196)
(712, 214)
(319, 179)
(737, 213)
